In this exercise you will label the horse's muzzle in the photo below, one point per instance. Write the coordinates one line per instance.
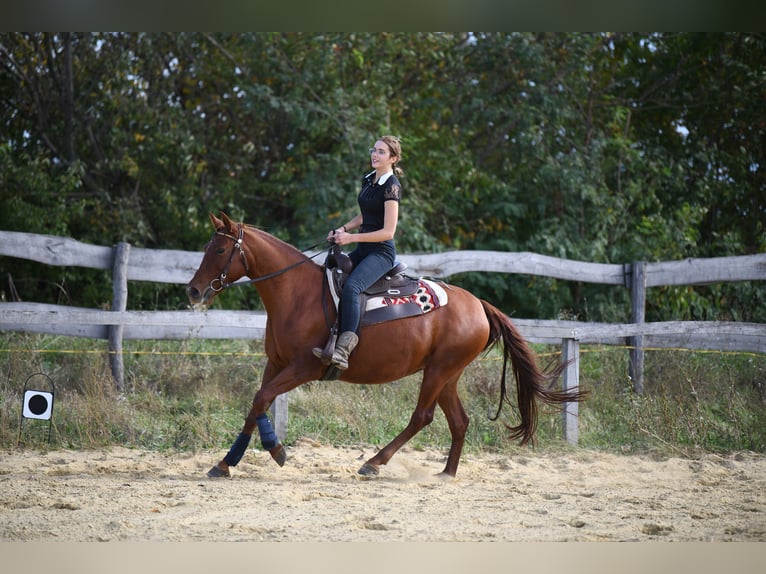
(193, 294)
(196, 298)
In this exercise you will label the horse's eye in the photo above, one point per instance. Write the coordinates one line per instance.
(220, 250)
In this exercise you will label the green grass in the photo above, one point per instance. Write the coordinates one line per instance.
(193, 395)
(693, 401)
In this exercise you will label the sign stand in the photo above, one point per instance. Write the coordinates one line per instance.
(37, 404)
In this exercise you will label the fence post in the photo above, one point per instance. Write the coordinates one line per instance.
(279, 414)
(119, 303)
(637, 315)
(570, 356)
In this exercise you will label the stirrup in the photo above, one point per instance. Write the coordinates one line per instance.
(325, 355)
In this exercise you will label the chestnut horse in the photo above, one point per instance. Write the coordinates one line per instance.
(440, 343)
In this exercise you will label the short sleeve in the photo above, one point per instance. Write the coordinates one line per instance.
(393, 192)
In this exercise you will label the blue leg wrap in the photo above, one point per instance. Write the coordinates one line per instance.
(268, 437)
(237, 450)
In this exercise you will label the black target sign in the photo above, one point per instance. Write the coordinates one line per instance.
(38, 405)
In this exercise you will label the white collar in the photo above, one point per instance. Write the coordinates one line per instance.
(382, 179)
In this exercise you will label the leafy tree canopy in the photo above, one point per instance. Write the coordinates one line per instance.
(604, 147)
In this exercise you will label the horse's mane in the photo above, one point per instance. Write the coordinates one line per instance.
(273, 239)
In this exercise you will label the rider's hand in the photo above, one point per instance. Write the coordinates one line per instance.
(339, 237)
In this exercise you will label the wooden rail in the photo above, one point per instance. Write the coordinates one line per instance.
(177, 267)
(221, 324)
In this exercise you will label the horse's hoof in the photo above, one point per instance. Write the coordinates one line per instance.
(368, 470)
(279, 454)
(216, 472)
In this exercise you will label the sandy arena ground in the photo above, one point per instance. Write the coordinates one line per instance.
(124, 495)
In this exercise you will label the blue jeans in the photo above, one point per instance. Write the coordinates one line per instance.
(371, 262)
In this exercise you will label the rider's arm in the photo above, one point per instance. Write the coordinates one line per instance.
(352, 224)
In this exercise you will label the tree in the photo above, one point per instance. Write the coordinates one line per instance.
(607, 147)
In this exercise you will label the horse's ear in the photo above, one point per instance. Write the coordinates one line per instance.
(217, 223)
(228, 223)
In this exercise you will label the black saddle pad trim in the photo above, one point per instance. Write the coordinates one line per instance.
(390, 312)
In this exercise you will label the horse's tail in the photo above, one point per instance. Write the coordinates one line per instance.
(532, 382)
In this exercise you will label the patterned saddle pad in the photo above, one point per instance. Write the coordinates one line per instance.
(404, 297)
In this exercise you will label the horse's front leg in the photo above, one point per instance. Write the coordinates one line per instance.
(256, 418)
(272, 386)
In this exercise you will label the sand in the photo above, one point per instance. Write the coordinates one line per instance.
(123, 495)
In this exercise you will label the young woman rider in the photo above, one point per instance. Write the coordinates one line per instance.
(375, 252)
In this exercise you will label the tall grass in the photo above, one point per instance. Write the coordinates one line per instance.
(193, 395)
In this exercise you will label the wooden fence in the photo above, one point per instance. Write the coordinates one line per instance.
(177, 267)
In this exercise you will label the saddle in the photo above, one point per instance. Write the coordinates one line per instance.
(394, 285)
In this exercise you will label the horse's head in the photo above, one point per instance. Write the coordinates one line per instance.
(223, 263)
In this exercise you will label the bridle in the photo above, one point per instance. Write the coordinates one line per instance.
(237, 247)
(221, 279)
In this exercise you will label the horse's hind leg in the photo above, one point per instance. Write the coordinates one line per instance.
(457, 419)
(423, 415)
(431, 390)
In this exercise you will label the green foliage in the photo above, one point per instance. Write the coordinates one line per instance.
(604, 147)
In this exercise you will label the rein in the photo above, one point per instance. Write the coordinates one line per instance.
(221, 279)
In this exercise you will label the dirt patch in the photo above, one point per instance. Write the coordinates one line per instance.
(132, 495)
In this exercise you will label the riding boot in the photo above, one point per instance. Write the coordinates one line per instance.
(346, 343)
